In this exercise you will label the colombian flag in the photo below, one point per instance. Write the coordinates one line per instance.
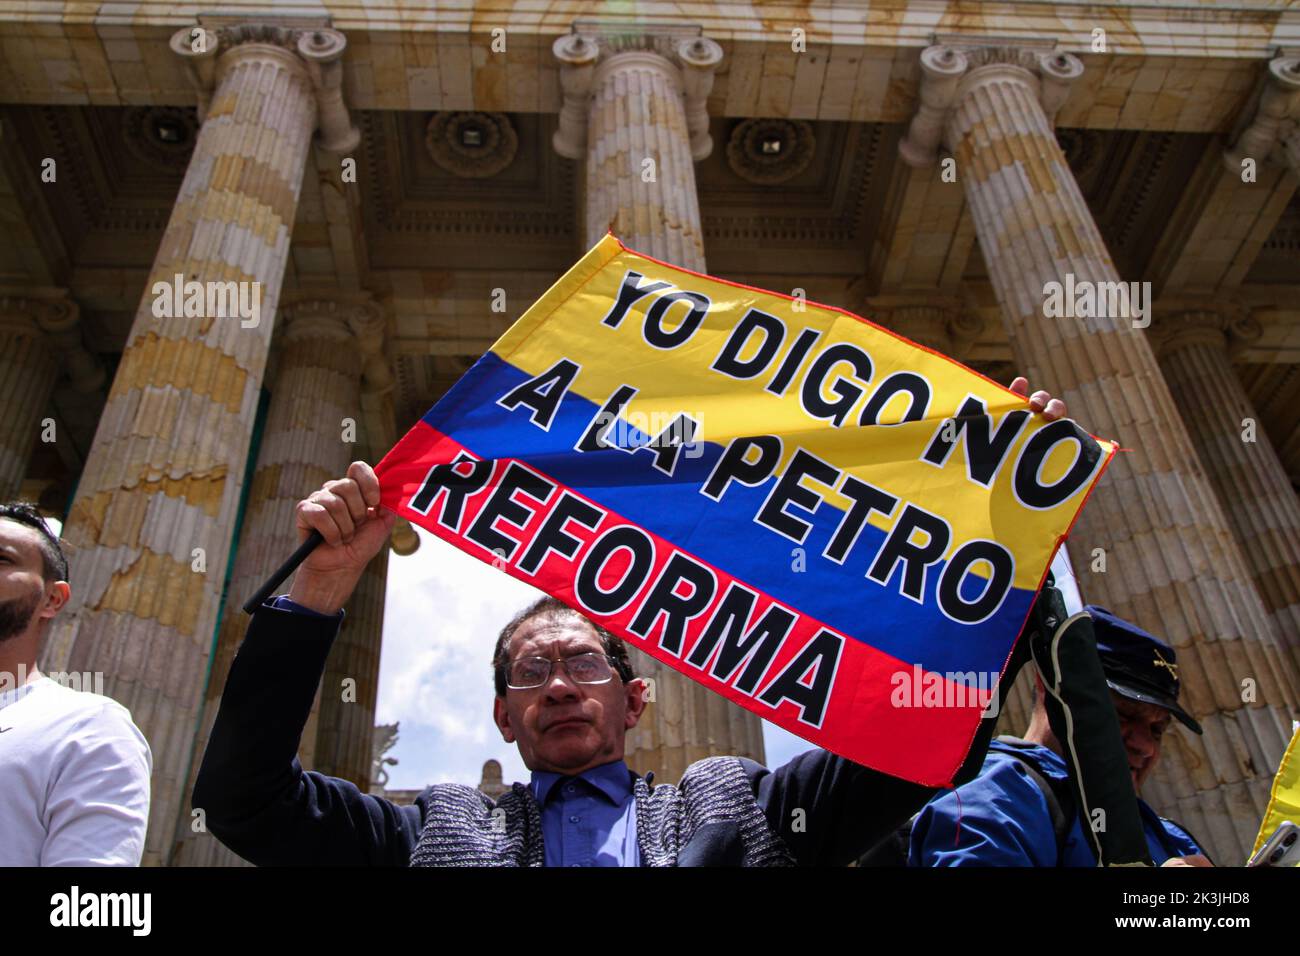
(827, 524)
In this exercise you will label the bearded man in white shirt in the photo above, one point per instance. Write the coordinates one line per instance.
(74, 768)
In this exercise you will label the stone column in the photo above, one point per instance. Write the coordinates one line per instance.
(634, 112)
(40, 339)
(1172, 564)
(1195, 349)
(152, 521)
(350, 686)
(315, 388)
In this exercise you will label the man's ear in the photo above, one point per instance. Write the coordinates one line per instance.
(55, 598)
(636, 701)
(501, 717)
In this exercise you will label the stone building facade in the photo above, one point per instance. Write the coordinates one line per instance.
(397, 181)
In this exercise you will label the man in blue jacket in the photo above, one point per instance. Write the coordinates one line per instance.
(1019, 810)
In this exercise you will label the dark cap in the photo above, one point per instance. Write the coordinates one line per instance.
(1138, 665)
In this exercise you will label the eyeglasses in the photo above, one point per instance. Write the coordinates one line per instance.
(589, 668)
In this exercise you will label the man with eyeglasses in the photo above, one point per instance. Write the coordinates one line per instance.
(566, 695)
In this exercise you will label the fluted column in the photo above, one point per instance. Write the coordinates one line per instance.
(636, 117)
(40, 341)
(155, 509)
(350, 687)
(1240, 461)
(1172, 565)
(28, 371)
(634, 112)
(315, 388)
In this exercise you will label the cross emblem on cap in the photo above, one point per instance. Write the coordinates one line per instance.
(1167, 665)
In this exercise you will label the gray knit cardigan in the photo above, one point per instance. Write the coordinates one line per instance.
(710, 817)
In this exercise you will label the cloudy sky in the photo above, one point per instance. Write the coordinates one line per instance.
(442, 614)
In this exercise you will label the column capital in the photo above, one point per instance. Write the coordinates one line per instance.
(312, 318)
(369, 324)
(594, 50)
(952, 68)
(1224, 327)
(52, 316)
(936, 322)
(1274, 131)
(353, 320)
(309, 46)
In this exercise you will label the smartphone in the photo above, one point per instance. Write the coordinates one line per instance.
(1281, 849)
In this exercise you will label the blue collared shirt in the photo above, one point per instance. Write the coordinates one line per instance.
(590, 819)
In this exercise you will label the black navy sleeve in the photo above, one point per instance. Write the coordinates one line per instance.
(255, 796)
(846, 808)
(829, 810)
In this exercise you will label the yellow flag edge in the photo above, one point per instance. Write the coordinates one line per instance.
(1284, 798)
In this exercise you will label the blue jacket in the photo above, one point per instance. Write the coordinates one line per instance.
(1005, 820)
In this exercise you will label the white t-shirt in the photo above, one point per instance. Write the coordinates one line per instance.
(74, 779)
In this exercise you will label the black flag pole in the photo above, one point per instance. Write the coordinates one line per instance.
(283, 571)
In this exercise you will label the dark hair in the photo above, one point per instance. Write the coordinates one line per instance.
(554, 607)
(54, 565)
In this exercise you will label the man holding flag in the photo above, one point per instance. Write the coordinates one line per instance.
(566, 696)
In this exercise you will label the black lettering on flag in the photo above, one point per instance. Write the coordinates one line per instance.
(586, 586)
(733, 466)
(729, 362)
(999, 582)
(667, 445)
(909, 382)
(660, 337)
(630, 293)
(543, 393)
(823, 654)
(678, 609)
(458, 486)
(810, 395)
(788, 490)
(793, 359)
(754, 648)
(502, 505)
(866, 499)
(593, 439)
(551, 537)
(985, 452)
(1029, 489)
(915, 557)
